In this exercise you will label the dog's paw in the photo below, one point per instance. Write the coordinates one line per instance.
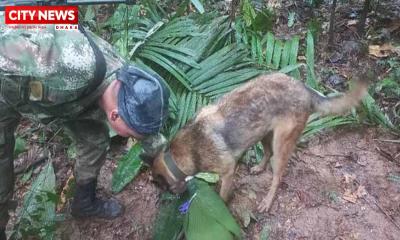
(256, 169)
(265, 205)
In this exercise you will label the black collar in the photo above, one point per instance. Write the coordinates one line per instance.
(172, 167)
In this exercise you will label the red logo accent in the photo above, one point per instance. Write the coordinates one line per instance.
(41, 15)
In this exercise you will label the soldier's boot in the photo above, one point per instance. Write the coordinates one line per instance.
(3, 233)
(86, 204)
(3, 221)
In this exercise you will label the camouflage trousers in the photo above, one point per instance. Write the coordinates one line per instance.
(89, 135)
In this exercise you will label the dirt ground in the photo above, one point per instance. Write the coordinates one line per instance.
(344, 184)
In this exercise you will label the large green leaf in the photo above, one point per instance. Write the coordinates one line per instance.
(208, 217)
(128, 167)
(199, 226)
(169, 222)
(20, 146)
(38, 213)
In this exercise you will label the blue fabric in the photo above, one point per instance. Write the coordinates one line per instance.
(142, 100)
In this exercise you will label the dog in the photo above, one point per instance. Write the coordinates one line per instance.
(272, 108)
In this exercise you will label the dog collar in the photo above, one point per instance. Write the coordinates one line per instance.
(172, 167)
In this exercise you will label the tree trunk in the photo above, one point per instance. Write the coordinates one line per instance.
(232, 15)
(233, 8)
(363, 18)
(332, 24)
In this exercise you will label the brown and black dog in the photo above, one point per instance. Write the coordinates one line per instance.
(271, 108)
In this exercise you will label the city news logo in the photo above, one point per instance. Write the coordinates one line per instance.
(63, 17)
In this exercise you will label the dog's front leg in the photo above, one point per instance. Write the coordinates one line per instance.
(226, 185)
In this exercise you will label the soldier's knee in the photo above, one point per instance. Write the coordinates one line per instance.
(7, 142)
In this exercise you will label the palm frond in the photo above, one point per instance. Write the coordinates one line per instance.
(198, 62)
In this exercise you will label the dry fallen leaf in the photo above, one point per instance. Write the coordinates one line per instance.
(349, 196)
(354, 196)
(66, 188)
(361, 192)
(381, 51)
(352, 22)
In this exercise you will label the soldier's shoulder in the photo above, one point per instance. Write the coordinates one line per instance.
(113, 59)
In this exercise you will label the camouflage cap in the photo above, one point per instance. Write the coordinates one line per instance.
(142, 100)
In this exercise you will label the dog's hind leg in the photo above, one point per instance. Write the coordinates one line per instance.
(226, 185)
(266, 142)
(285, 137)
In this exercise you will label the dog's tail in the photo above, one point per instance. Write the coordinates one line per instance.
(339, 104)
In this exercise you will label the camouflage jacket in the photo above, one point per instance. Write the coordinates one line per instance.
(59, 62)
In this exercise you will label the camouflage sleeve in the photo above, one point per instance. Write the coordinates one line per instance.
(113, 59)
(47, 54)
(64, 61)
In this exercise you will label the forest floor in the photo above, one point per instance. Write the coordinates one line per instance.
(344, 185)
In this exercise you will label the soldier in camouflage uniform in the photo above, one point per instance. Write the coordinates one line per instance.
(77, 80)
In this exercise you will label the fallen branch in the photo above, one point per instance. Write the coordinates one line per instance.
(386, 155)
(388, 140)
(374, 201)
